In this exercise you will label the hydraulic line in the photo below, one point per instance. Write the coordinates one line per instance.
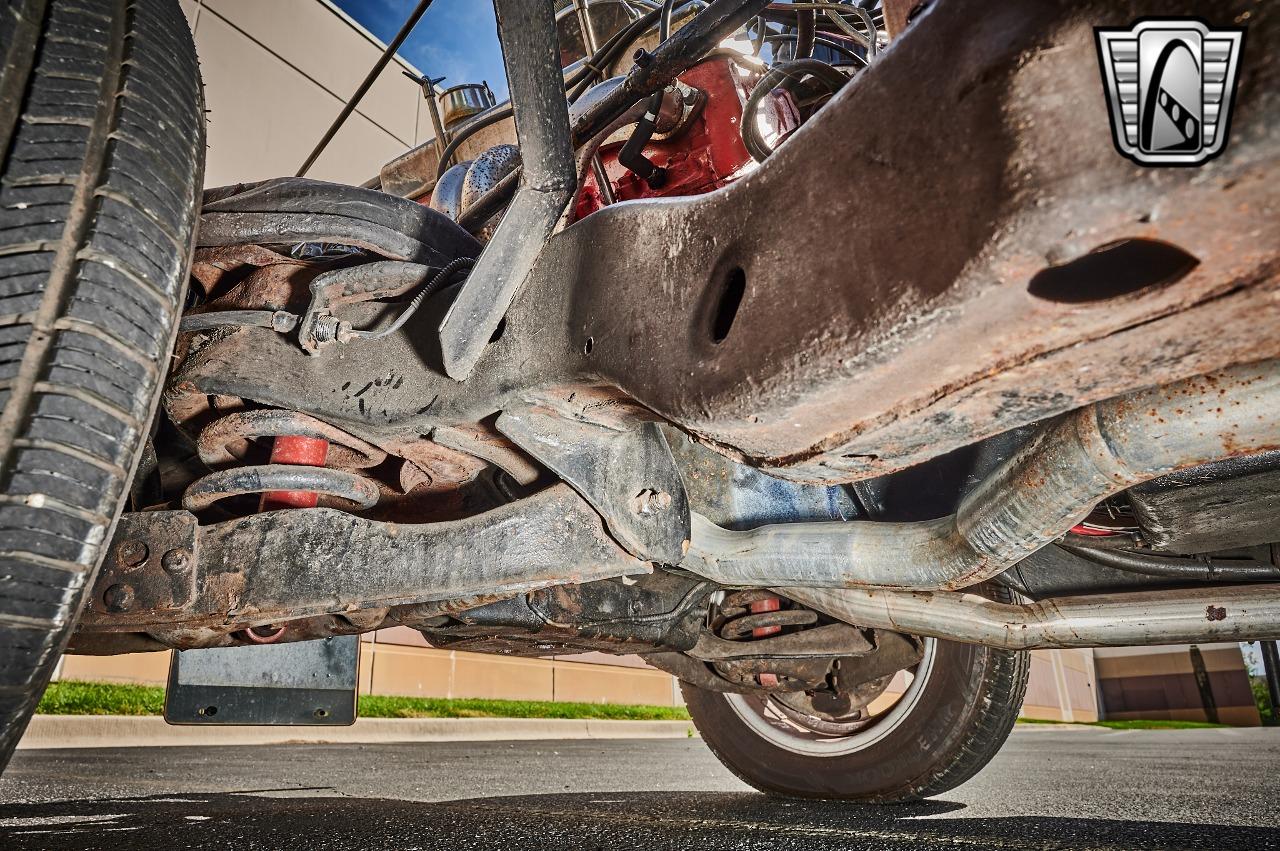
(828, 43)
(632, 155)
(1196, 569)
(446, 274)
(806, 34)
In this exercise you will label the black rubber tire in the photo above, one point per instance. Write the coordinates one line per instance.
(964, 714)
(102, 139)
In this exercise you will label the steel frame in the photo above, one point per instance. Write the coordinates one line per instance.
(857, 352)
(946, 316)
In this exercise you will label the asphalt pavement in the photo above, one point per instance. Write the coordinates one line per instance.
(1048, 788)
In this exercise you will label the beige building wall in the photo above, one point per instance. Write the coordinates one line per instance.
(1160, 683)
(1062, 686)
(276, 74)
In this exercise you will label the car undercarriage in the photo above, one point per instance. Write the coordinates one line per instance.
(927, 376)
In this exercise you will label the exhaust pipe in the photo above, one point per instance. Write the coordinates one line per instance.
(1031, 500)
(1236, 613)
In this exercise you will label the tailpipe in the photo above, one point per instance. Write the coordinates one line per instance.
(1234, 613)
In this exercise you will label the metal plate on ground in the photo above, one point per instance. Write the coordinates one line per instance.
(303, 682)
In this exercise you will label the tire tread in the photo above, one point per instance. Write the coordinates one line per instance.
(102, 143)
(980, 716)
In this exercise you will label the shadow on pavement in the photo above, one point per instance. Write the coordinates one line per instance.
(319, 819)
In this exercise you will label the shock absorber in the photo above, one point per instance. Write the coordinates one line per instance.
(309, 459)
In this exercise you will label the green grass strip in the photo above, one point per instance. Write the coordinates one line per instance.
(72, 697)
(385, 706)
(1157, 725)
(75, 697)
(1129, 725)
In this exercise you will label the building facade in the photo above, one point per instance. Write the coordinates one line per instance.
(1181, 682)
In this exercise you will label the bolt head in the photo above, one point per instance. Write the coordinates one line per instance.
(131, 553)
(118, 597)
(176, 560)
(650, 501)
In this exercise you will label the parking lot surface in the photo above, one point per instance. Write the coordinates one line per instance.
(1083, 788)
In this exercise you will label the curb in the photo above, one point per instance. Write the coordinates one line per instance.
(119, 731)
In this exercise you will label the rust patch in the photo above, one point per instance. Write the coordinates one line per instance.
(1215, 613)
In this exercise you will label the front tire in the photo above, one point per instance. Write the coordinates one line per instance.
(101, 153)
(957, 711)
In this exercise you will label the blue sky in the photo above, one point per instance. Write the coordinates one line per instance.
(455, 38)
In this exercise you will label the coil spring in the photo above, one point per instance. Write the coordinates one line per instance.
(759, 614)
(304, 455)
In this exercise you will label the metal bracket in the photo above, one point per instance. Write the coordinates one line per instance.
(286, 565)
(150, 569)
(303, 683)
(836, 639)
(629, 476)
(527, 31)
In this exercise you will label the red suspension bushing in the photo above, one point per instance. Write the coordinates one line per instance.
(768, 604)
(301, 452)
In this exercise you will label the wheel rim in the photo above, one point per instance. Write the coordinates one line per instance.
(762, 715)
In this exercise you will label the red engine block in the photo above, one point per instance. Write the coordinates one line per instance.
(708, 154)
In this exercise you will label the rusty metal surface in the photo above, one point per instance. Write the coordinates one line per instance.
(232, 635)
(859, 660)
(484, 441)
(1220, 506)
(150, 571)
(896, 15)
(285, 565)
(853, 357)
(225, 440)
(636, 615)
(629, 475)
(824, 642)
